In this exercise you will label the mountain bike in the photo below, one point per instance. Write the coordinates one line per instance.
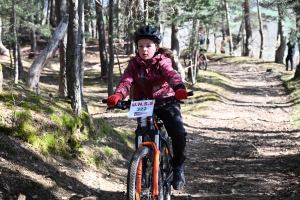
(150, 171)
(202, 60)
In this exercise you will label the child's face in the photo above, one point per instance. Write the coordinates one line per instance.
(146, 48)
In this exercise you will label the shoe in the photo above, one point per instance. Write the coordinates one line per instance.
(178, 177)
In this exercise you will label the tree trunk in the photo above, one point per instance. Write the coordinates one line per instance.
(32, 43)
(81, 55)
(1, 78)
(146, 18)
(16, 61)
(157, 16)
(45, 12)
(243, 36)
(102, 41)
(87, 24)
(192, 72)
(73, 57)
(37, 66)
(229, 29)
(215, 41)
(297, 8)
(20, 65)
(238, 42)
(248, 43)
(175, 47)
(261, 51)
(224, 41)
(32, 37)
(140, 12)
(15, 42)
(3, 49)
(111, 49)
(52, 14)
(92, 12)
(279, 53)
(153, 12)
(90, 23)
(118, 19)
(61, 9)
(0, 29)
(129, 25)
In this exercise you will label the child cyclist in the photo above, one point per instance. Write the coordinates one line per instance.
(152, 75)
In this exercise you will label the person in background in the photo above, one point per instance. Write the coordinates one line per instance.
(153, 77)
(290, 56)
(202, 39)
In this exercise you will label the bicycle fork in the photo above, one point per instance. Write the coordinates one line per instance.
(155, 170)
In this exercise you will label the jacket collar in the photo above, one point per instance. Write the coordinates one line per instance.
(152, 61)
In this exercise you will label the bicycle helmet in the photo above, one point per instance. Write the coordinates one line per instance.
(147, 32)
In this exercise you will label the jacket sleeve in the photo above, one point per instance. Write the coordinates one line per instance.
(126, 80)
(170, 74)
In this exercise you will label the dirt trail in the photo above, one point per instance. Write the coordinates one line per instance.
(245, 146)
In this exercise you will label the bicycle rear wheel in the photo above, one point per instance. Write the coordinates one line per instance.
(202, 62)
(141, 175)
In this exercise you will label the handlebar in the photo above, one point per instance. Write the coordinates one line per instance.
(125, 104)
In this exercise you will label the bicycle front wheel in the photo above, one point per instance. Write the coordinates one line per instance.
(140, 174)
(166, 168)
(202, 62)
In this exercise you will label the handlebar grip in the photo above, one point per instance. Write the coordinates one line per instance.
(104, 100)
(190, 93)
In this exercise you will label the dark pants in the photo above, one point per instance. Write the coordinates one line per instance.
(287, 59)
(172, 119)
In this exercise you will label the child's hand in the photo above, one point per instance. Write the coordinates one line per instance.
(113, 99)
(180, 94)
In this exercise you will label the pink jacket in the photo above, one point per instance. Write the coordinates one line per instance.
(152, 79)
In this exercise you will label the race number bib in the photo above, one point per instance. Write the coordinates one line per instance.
(143, 108)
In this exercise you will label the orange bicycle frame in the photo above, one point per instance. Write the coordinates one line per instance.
(155, 171)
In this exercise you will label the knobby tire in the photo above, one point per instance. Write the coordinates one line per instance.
(166, 156)
(144, 154)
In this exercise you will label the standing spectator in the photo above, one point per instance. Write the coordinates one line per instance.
(290, 56)
(202, 40)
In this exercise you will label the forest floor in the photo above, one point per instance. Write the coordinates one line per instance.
(242, 146)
